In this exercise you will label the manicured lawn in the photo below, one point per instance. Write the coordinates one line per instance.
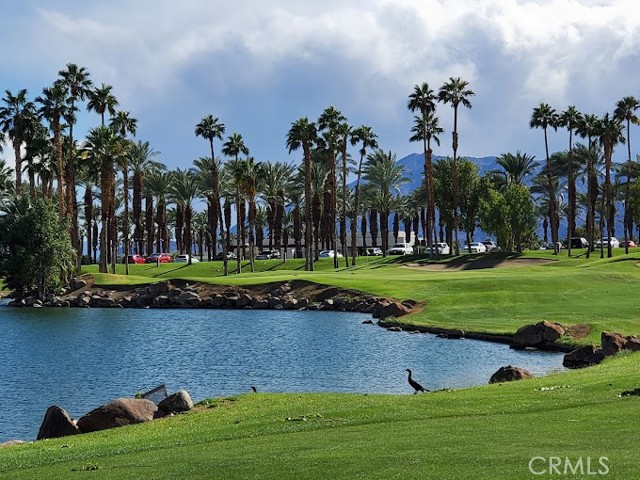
(489, 432)
(595, 292)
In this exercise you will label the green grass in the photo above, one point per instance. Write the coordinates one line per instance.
(486, 432)
(570, 291)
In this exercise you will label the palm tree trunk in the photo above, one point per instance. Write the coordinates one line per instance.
(308, 240)
(252, 221)
(125, 226)
(608, 153)
(148, 201)
(88, 216)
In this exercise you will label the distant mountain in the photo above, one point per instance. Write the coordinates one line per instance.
(414, 168)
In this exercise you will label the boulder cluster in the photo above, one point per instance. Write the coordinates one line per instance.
(610, 344)
(296, 295)
(117, 413)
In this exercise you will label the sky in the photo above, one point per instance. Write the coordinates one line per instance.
(258, 66)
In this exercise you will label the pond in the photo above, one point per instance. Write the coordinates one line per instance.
(81, 358)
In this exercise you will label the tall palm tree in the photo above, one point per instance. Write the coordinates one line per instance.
(625, 111)
(304, 134)
(329, 124)
(211, 128)
(102, 148)
(384, 178)
(423, 100)
(17, 117)
(141, 161)
(205, 177)
(102, 101)
(570, 119)
(610, 133)
(365, 136)
(425, 129)
(6, 181)
(587, 128)
(184, 190)
(544, 116)
(158, 186)
(52, 108)
(455, 92)
(277, 177)
(344, 131)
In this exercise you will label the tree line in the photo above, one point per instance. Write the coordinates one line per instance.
(114, 195)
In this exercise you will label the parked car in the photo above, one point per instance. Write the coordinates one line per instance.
(605, 242)
(184, 258)
(400, 249)
(547, 246)
(159, 257)
(374, 251)
(476, 247)
(491, 245)
(630, 243)
(329, 254)
(579, 242)
(230, 256)
(268, 254)
(441, 248)
(134, 259)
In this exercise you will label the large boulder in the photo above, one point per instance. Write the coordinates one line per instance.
(509, 374)
(612, 343)
(117, 413)
(188, 299)
(56, 423)
(393, 309)
(178, 402)
(244, 300)
(583, 357)
(540, 334)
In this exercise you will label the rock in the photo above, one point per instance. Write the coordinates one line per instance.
(57, 423)
(244, 300)
(31, 301)
(178, 402)
(367, 322)
(537, 335)
(409, 303)
(509, 374)
(117, 413)
(302, 303)
(452, 334)
(217, 301)
(158, 288)
(612, 343)
(393, 309)
(394, 329)
(231, 301)
(260, 303)
(83, 300)
(583, 357)
(161, 301)
(188, 299)
(327, 304)
(76, 284)
(632, 343)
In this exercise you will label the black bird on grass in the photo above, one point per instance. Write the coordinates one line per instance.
(255, 390)
(416, 386)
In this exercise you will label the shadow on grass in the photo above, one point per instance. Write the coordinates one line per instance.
(170, 271)
(470, 261)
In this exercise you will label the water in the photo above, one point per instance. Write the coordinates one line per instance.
(81, 358)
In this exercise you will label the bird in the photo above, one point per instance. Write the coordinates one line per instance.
(416, 386)
(255, 390)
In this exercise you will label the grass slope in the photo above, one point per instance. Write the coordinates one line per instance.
(488, 432)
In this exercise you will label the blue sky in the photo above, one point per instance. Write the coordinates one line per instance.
(260, 65)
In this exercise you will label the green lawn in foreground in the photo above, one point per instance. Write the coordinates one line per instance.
(599, 293)
(489, 432)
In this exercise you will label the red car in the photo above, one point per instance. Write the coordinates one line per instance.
(134, 259)
(631, 244)
(159, 257)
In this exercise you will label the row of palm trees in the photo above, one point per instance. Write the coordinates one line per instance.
(311, 204)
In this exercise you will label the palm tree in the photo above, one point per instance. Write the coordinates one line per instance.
(570, 118)
(205, 177)
(304, 133)
(427, 128)
(102, 148)
(365, 136)
(344, 131)
(625, 111)
(456, 93)
(17, 117)
(610, 133)
(544, 117)
(102, 101)
(423, 100)
(384, 178)
(158, 186)
(6, 181)
(587, 128)
(53, 107)
(141, 161)
(277, 177)
(329, 124)
(516, 168)
(184, 191)
(210, 128)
